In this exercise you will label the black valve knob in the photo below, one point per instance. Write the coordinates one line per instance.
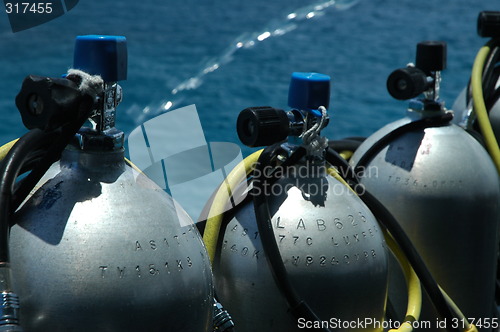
(488, 24)
(47, 103)
(407, 83)
(260, 126)
(431, 56)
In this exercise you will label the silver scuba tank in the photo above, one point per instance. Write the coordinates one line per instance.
(466, 118)
(495, 118)
(100, 247)
(463, 105)
(440, 184)
(330, 243)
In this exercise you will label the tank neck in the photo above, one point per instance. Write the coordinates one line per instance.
(96, 165)
(425, 108)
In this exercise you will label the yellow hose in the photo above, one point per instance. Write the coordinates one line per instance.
(480, 107)
(212, 229)
(414, 306)
(346, 154)
(214, 221)
(131, 164)
(239, 173)
(335, 174)
(4, 149)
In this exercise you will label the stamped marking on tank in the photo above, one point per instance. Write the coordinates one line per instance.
(326, 260)
(425, 149)
(320, 224)
(354, 230)
(245, 231)
(50, 196)
(152, 269)
(140, 271)
(151, 245)
(410, 181)
(155, 244)
(243, 251)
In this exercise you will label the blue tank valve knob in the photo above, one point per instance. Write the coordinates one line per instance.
(102, 55)
(309, 91)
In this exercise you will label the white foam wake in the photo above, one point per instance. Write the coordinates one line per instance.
(275, 28)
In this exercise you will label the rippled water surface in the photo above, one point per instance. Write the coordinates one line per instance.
(224, 55)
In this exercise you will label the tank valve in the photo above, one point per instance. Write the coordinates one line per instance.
(105, 56)
(308, 94)
(222, 320)
(48, 103)
(422, 77)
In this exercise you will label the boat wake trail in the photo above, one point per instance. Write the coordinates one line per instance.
(275, 28)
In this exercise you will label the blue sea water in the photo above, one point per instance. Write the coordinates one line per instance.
(187, 52)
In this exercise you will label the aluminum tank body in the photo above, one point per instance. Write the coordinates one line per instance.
(443, 188)
(463, 114)
(331, 246)
(495, 119)
(99, 247)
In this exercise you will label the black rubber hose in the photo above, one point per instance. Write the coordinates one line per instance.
(65, 135)
(489, 66)
(344, 144)
(390, 311)
(391, 224)
(356, 138)
(493, 94)
(416, 261)
(298, 308)
(9, 170)
(489, 82)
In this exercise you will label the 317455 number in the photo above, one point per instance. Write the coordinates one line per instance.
(28, 7)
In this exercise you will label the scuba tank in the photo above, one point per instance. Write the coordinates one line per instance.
(477, 108)
(440, 184)
(98, 246)
(302, 248)
(487, 26)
